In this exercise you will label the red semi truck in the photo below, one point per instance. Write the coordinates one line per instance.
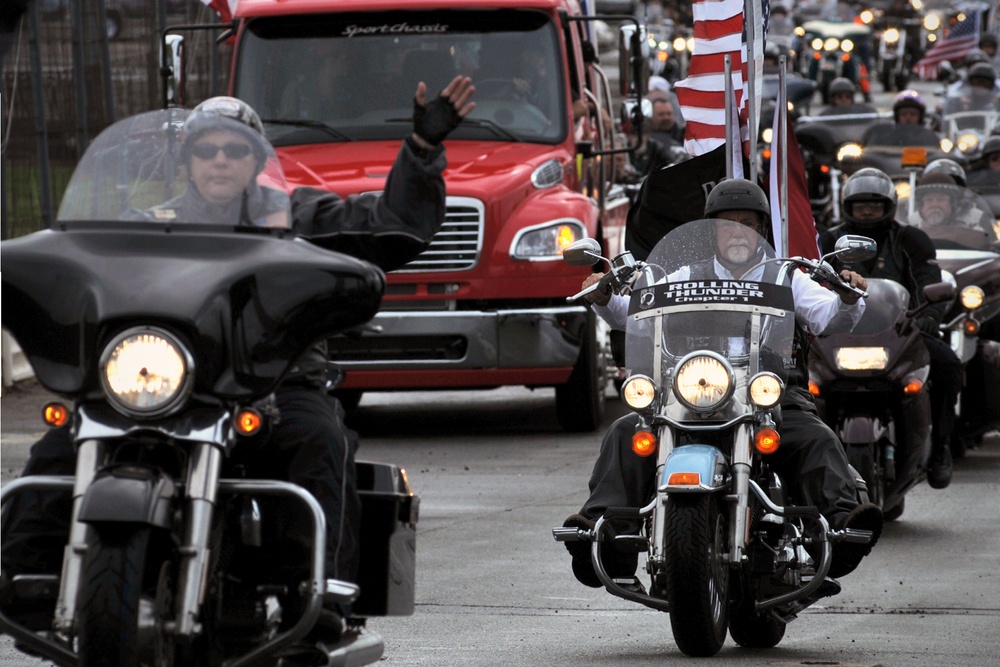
(485, 305)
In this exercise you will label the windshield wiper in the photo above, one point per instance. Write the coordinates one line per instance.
(313, 124)
(475, 122)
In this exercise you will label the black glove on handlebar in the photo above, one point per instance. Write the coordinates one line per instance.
(436, 120)
(928, 325)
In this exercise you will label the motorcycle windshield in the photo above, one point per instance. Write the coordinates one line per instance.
(970, 98)
(955, 218)
(244, 295)
(885, 305)
(686, 301)
(178, 166)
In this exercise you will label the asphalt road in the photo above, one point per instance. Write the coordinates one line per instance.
(495, 473)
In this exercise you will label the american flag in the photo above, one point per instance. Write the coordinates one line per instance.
(224, 8)
(719, 29)
(956, 45)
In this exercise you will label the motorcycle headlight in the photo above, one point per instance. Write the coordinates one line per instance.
(703, 382)
(146, 372)
(847, 45)
(831, 44)
(546, 242)
(867, 16)
(817, 44)
(767, 135)
(891, 36)
(902, 189)
(765, 390)
(680, 44)
(848, 151)
(972, 297)
(932, 22)
(638, 392)
(946, 145)
(862, 358)
(967, 142)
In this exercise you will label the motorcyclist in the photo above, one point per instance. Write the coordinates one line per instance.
(906, 255)
(940, 202)
(310, 445)
(988, 172)
(979, 92)
(841, 92)
(909, 112)
(947, 166)
(811, 458)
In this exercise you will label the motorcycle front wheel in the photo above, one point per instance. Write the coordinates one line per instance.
(118, 590)
(696, 574)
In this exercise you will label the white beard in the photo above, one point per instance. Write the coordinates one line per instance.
(738, 254)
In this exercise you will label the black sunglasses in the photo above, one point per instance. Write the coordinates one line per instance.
(233, 151)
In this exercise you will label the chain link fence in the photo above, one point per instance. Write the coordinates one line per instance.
(75, 67)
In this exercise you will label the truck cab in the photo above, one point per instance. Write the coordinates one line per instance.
(485, 305)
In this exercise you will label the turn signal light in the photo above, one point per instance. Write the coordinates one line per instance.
(684, 479)
(813, 388)
(767, 441)
(644, 443)
(971, 327)
(248, 421)
(913, 387)
(55, 414)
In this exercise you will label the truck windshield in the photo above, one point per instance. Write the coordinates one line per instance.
(352, 76)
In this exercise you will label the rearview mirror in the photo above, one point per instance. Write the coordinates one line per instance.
(939, 292)
(585, 252)
(852, 248)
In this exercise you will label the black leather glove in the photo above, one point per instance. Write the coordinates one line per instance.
(436, 120)
(928, 325)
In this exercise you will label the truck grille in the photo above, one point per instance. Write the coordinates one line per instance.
(459, 242)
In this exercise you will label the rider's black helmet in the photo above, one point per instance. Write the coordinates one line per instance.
(947, 166)
(988, 39)
(869, 185)
(841, 85)
(908, 98)
(975, 56)
(226, 113)
(737, 194)
(983, 72)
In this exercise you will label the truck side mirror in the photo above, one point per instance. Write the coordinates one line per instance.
(172, 63)
(633, 60)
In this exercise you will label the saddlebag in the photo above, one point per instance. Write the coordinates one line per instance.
(389, 513)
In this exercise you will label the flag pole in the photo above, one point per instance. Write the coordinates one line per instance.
(729, 114)
(782, 108)
(749, 22)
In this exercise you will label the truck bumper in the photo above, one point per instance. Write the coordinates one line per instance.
(468, 342)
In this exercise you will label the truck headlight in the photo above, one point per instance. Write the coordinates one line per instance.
(145, 372)
(546, 242)
(703, 382)
(862, 358)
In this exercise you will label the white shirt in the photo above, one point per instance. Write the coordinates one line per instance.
(817, 309)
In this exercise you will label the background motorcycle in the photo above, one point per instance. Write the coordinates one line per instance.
(968, 250)
(166, 340)
(724, 541)
(870, 388)
(837, 49)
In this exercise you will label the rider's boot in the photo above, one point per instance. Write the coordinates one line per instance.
(939, 467)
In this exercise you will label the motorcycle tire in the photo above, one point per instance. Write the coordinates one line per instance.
(696, 574)
(862, 458)
(114, 586)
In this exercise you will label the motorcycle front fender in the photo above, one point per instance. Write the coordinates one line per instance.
(860, 430)
(707, 462)
(129, 494)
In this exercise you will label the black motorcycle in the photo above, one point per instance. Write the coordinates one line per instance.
(870, 386)
(167, 339)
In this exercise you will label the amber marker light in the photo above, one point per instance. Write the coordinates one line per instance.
(813, 388)
(684, 479)
(247, 421)
(55, 414)
(644, 443)
(913, 387)
(971, 327)
(767, 441)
